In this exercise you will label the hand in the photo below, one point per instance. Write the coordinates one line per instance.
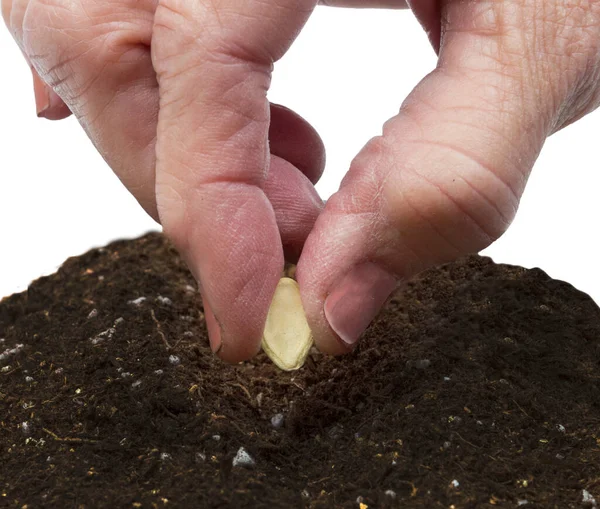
(173, 95)
(185, 126)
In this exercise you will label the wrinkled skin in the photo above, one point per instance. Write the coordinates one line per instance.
(173, 95)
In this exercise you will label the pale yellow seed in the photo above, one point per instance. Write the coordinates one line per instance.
(287, 338)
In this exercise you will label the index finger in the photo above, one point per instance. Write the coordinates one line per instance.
(213, 60)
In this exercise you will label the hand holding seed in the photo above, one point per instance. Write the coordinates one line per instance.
(173, 94)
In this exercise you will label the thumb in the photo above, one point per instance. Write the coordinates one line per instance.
(443, 180)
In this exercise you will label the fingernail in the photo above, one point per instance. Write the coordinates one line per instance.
(355, 301)
(42, 94)
(214, 330)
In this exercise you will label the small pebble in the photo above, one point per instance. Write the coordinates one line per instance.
(390, 493)
(5, 369)
(137, 383)
(243, 459)
(522, 502)
(26, 428)
(446, 379)
(559, 456)
(305, 494)
(447, 445)
(277, 421)
(560, 428)
(200, 457)
(455, 483)
(164, 300)
(165, 456)
(188, 334)
(173, 359)
(11, 351)
(29, 379)
(137, 302)
(216, 438)
(93, 313)
(125, 374)
(190, 289)
(588, 498)
(159, 372)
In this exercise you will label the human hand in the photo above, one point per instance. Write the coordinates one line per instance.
(173, 95)
(443, 180)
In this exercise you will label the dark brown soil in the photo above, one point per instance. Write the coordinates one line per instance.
(478, 386)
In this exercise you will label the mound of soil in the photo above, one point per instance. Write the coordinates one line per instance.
(477, 386)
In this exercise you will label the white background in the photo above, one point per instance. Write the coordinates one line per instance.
(347, 73)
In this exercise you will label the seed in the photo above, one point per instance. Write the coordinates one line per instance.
(287, 338)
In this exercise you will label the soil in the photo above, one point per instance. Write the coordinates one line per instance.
(477, 386)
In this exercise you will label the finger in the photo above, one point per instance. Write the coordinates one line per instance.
(295, 140)
(296, 204)
(213, 63)
(428, 13)
(48, 104)
(95, 58)
(443, 180)
(371, 4)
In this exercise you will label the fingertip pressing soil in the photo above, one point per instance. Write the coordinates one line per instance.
(477, 386)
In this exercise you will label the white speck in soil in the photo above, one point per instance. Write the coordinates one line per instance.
(479, 423)
(125, 374)
(173, 359)
(100, 278)
(11, 351)
(447, 445)
(2, 340)
(137, 383)
(26, 428)
(390, 493)
(305, 494)
(522, 502)
(200, 457)
(188, 334)
(165, 456)
(137, 302)
(560, 428)
(190, 289)
(159, 372)
(29, 379)
(164, 300)
(446, 379)
(216, 438)
(455, 483)
(93, 314)
(277, 421)
(588, 498)
(359, 500)
(58, 371)
(5, 369)
(243, 459)
(559, 456)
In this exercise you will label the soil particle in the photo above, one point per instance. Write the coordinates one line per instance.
(96, 412)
